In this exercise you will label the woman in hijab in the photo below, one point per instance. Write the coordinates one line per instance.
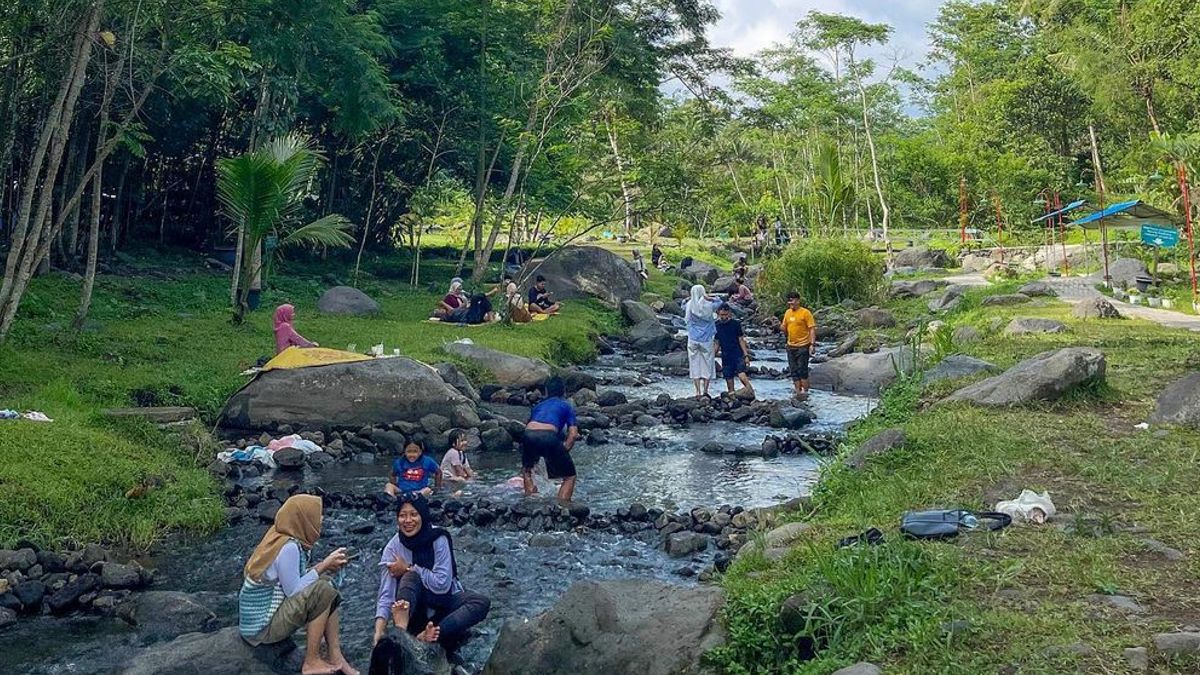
(702, 331)
(285, 335)
(281, 594)
(455, 302)
(419, 587)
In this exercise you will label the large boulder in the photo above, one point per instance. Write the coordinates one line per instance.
(347, 301)
(650, 337)
(455, 377)
(700, 273)
(590, 271)
(221, 653)
(1030, 325)
(1123, 272)
(1095, 308)
(1036, 289)
(726, 284)
(349, 395)
(636, 312)
(958, 366)
(1045, 377)
(1179, 403)
(875, 317)
(862, 374)
(165, 615)
(948, 301)
(625, 626)
(509, 370)
(916, 288)
(920, 256)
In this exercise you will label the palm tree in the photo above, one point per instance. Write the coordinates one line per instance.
(261, 193)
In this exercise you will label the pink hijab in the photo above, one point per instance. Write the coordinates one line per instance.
(285, 335)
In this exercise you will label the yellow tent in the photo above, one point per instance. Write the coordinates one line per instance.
(297, 357)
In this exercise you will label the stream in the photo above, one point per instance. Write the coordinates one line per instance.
(657, 467)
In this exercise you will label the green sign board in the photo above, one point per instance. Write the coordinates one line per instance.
(1159, 236)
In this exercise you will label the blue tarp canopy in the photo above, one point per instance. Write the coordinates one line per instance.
(1126, 214)
(1064, 210)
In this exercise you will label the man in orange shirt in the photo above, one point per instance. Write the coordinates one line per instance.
(801, 330)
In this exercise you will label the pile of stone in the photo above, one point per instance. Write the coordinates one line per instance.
(822, 444)
(614, 411)
(35, 582)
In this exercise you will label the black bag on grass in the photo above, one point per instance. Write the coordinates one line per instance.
(943, 524)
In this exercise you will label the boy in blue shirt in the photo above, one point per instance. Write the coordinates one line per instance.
(414, 472)
(733, 350)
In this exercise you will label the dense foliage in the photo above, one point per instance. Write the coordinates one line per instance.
(823, 272)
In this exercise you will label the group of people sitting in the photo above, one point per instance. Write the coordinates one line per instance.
(420, 591)
(459, 307)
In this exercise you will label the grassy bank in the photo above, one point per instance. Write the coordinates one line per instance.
(1021, 597)
(159, 334)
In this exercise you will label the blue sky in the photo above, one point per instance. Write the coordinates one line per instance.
(748, 26)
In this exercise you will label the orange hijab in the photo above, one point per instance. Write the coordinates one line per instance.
(299, 518)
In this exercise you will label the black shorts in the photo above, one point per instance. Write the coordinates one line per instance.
(548, 445)
(732, 366)
(798, 362)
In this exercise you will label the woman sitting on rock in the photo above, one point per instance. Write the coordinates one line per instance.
(419, 587)
(281, 594)
(285, 335)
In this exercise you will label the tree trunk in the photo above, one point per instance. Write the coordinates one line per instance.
(89, 275)
(626, 193)
(885, 212)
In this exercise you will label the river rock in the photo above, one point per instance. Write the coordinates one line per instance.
(958, 366)
(455, 377)
(1045, 377)
(30, 593)
(949, 300)
(496, 440)
(391, 442)
(582, 271)
(289, 458)
(1179, 403)
(700, 273)
(683, 544)
(221, 653)
(348, 395)
(915, 288)
(964, 335)
(66, 597)
(7, 617)
(1177, 644)
(636, 312)
(878, 445)
(113, 575)
(787, 416)
(1029, 326)
(650, 337)
(725, 284)
(609, 398)
(862, 374)
(18, 560)
(1035, 289)
(1138, 659)
(165, 615)
(1095, 308)
(786, 535)
(347, 301)
(1004, 299)
(584, 398)
(875, 317)
(921, 256)
(509, 370)
(85, 558)
(625, 626)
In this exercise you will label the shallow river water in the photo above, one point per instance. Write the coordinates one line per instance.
(660, 466)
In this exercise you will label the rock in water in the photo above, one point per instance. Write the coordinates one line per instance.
(350, 395)
(347, 301)
(165, 615)
(1179, 403)
(628, 626)
(636, 312)
(862, 374)
(583, 271)
(650, 337)
(1045, 377)
(220, 653)
(1095, 308)
(509, 370)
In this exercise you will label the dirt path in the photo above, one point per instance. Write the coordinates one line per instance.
(1075, 289)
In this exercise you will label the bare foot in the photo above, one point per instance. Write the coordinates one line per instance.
(400, 614)
(317, 667)
(345, 668)
(430, 634)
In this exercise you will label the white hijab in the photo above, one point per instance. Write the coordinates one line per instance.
(455, 286)
(698, 305)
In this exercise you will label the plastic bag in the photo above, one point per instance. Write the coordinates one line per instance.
(1029, 506)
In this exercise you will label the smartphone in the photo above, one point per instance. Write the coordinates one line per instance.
(352, 554)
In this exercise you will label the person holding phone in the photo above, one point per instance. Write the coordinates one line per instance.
(281, 593)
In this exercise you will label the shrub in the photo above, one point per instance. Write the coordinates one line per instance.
(824, 272)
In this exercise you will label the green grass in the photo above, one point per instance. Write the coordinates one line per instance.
(1103, 474)
(156, 341)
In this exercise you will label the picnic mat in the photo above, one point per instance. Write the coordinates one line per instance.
(295, 357)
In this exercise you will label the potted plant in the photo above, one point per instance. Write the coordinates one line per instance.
(1153, 301)
(1135, 298)
(1168, 303)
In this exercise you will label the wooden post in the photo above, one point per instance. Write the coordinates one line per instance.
(1100, 189)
